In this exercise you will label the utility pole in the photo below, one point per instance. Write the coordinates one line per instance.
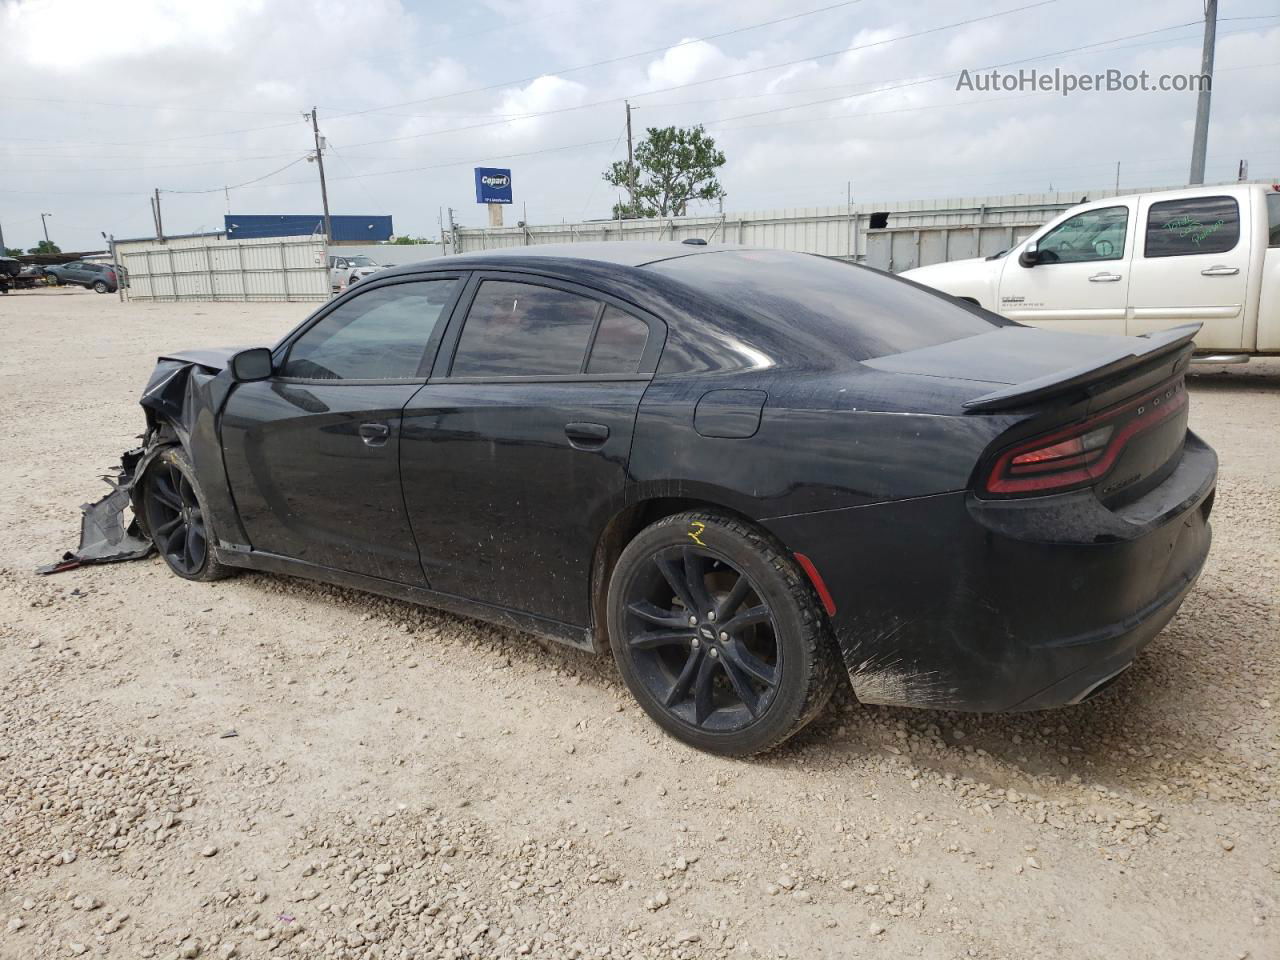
(2, 246)
(45, 226)
(319, 159)
(631, 163)
(453, 231)
(1201, 142)
(115, 263)
(1117, 176)
(159, 219)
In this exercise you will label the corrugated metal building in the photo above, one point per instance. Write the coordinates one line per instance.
(208, 266)
(346, 229)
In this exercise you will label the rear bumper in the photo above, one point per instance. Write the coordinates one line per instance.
(956, 603)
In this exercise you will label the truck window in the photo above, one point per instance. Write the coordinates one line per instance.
(1089, 236)
(1192, 225)
(1273, 219)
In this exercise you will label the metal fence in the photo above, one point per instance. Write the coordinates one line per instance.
(892, 236)
(214, 268)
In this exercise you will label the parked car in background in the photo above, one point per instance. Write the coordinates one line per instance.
(9, 270)
(16, 275)
(1135, 265)
(99, 277)
(344, 271)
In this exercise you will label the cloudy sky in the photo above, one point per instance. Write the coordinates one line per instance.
(102, 102)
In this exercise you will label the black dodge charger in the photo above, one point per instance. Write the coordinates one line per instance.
(749, 474)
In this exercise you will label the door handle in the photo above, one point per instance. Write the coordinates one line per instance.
(1220, 271)
(374, 434)
(586, 435)
(1104, 278)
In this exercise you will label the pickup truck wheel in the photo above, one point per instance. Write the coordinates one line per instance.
(100, 286)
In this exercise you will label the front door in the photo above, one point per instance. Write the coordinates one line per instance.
(1193, 265)
(515, 454)
(1081, 280)
(312, 454)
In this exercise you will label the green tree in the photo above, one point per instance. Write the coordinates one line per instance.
(673, 165)
(12, 252)
(45, 246)
(411, 240)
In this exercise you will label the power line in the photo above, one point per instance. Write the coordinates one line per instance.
(236, 186)
(730, 76)
(912, 82)
(618, 59)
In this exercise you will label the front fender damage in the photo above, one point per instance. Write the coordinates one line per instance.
(179, 401)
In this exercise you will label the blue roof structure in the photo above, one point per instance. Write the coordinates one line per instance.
(346, 229)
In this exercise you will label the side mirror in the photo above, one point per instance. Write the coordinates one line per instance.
(1030, 255)
(250, 365)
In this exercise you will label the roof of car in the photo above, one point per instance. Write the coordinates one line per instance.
(626, 254)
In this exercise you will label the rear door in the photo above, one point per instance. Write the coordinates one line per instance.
(78, 272)
(1082, 279)
(313, 453)
(1193, 265)
(515, 454)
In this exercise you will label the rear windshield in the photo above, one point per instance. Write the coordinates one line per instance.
(829, 304)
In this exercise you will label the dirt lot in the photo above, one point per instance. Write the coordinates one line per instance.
(402, 783)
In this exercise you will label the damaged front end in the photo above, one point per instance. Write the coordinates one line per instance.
(181, 401)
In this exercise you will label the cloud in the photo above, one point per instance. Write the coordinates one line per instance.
(120, 99)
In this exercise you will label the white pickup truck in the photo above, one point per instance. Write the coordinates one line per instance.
(1132, 265)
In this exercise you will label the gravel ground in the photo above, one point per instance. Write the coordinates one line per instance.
(264, 766)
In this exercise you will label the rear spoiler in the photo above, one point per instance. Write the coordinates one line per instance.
(1148, 347)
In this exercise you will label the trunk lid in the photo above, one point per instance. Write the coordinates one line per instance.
(1030, 364)
(1102, 412)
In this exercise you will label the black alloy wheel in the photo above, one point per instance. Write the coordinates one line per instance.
(718, 635)
(176, 519)
(702, 640)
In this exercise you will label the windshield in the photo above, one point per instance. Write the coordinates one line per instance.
(829, 305)
(361, 262)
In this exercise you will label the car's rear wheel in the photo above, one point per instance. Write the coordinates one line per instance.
(100, 286)
(177, 519)
(718, 635)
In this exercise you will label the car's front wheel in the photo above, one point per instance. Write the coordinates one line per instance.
(177, 519)
(52, 280)
(718, 635)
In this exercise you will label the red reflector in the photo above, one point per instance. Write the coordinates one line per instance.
(828, 603)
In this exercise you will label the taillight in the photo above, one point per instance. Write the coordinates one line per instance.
(1083, 453)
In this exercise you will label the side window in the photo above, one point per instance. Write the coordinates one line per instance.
(1179, 228)
(619, 343)
(523, 330)
(1092, 235)
(379, 335)
(1273, 219)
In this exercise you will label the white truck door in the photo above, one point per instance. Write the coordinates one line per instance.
(1081, 277)
(1269, 287)
(1193, 264)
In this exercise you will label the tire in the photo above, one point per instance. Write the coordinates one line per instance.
(175, 517)
(100, 286)
(52, 280)
(733, 687)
